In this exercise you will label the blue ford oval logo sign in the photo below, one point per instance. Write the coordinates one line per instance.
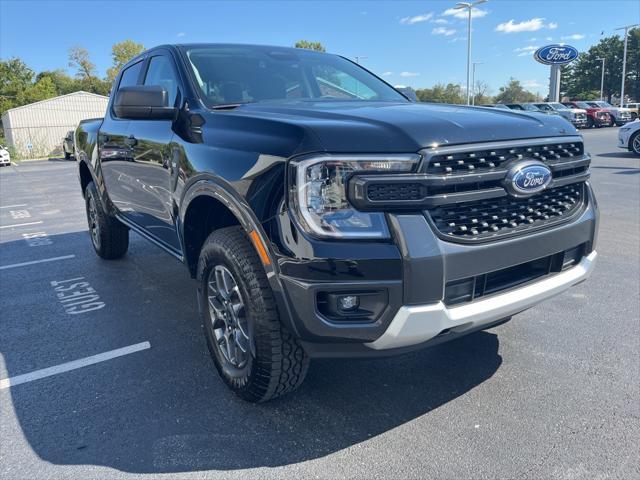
(556, 54)
(527, 178)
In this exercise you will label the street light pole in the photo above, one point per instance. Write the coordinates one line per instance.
(473, 82)
(602, 80)
(624, 60)
(469, 6)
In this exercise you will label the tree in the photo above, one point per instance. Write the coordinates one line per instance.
(62, 82)
(15, 78)
(79, 59)
(451, 93)
(513, 92)
(121, 53)
(310, 45)
(481, 93)
(584, 75)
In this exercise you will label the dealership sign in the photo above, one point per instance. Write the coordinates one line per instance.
(556, 54)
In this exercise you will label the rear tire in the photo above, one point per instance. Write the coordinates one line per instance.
(237, 308)
(109, 237)
(634, 143)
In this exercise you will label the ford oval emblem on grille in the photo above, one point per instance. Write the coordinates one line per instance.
(527, 178)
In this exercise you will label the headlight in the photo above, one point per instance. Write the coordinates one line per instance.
(318, 193)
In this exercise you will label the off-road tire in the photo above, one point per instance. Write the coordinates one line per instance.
(113, 236)
(277, 364)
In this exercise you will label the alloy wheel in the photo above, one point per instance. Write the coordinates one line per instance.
(636, 144)
(227, 314)
(94, 226)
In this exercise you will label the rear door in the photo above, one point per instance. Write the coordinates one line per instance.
(152, 167)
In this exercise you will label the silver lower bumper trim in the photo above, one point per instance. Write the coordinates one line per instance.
(416, 324)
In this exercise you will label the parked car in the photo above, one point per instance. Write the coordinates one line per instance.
(619, 115)
(629, 136)
(525, 107)
(67, 145)
(596, 116)
(577, 116)
(5, 158)
(634, 110)
(325, 215)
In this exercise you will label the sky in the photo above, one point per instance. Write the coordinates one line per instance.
(414, 43)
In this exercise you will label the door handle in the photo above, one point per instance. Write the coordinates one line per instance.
(131, 141)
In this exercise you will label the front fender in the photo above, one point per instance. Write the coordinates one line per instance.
(208, 185)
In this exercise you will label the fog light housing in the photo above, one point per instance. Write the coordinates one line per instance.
(362, 306)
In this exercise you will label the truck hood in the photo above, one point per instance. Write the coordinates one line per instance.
(577, 110)
(405, 127)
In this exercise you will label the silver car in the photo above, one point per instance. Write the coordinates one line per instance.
(577, 116)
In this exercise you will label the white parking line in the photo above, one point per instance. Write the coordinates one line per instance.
(33, 262)
(13, 206)
(21, 224)
(75, 364)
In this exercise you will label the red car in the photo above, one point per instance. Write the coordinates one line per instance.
(598, 117)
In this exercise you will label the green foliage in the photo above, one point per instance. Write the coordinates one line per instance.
(310, 45)
(121, 53)
(439, 93)
(79, 59)
(513, 92)
(584, 75)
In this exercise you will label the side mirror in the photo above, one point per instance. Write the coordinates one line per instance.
(143, 102)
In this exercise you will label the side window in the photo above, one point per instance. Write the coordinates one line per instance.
(160, 72)
(334, 83)
(130, 75)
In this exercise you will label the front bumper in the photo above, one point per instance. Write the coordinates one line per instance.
(417, 324)
(411, 275)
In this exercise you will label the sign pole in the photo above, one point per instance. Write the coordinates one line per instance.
(554, 83)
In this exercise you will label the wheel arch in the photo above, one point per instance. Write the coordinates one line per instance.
(208, 195)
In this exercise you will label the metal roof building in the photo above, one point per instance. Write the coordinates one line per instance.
(37, 129)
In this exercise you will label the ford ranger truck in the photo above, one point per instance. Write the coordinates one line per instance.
(323, 214)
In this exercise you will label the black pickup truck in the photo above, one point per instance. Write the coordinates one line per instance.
(324, 214)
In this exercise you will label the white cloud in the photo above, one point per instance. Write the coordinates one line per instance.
(386, 74)
(416, 19)
(531, 25)
(457, 39)
(575, 36)
(181, 34)
(533, 39)
(441, 21)
(447, 32)
(409, 74)
(549, 39)
(464, 13)
(524, 51)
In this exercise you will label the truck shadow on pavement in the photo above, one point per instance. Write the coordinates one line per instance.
(165, 410)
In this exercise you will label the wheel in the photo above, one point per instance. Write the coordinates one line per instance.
(256, 356)
(589, 122)
(67, 155)
(109, 237)
(634, 143)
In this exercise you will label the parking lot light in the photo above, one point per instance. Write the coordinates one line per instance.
(602, 80)
(624, 60)
(469, 6)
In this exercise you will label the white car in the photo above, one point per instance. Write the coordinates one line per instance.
(629, 137)
(5, 158)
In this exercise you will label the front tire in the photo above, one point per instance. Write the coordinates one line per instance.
(67, 155)
(256, 356)
(109, 237)
(590, 122)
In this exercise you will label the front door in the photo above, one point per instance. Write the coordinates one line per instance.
(151, 167)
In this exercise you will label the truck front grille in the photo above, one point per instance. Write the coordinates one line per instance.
(506, 215)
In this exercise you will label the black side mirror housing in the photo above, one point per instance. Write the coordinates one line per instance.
(143, 102)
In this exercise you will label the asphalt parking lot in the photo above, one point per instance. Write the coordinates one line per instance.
(104, 371)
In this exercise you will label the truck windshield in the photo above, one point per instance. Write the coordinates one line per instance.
(230, 74)
(558, 106)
